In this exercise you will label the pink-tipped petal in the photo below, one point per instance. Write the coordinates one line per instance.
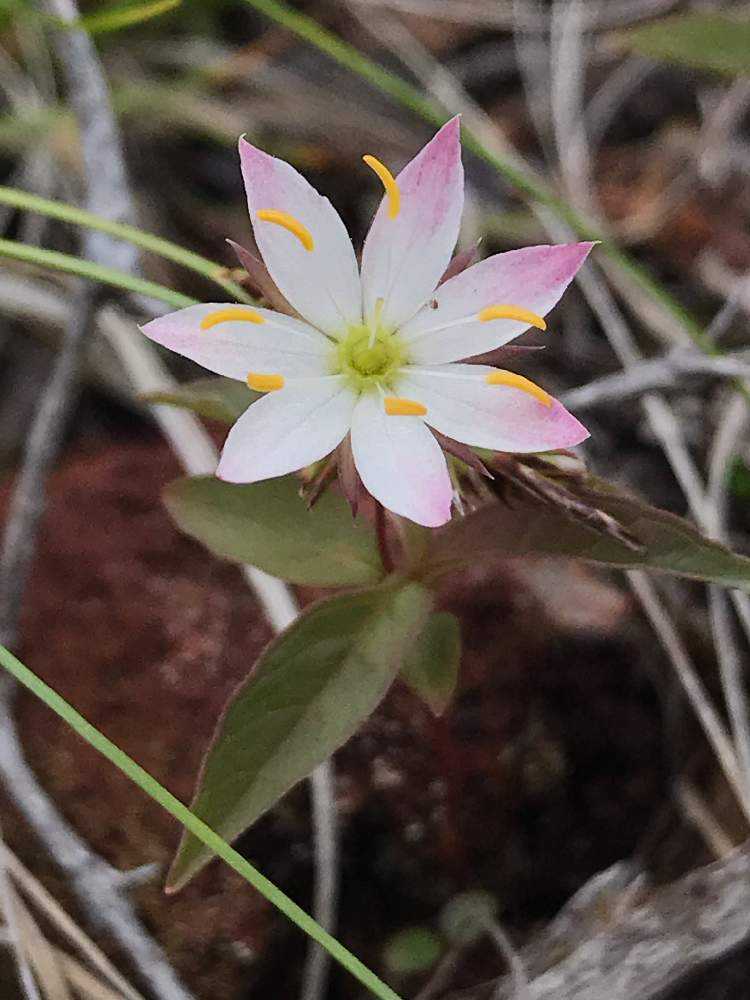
(235, 347)
(400, 463)
(404, 257)
(534, 278)
(287, 430)
(461, 405)
(322, 283)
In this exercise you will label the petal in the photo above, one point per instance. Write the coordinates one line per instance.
(462, 406)
(400, 463)
(287, 430)
(279, 345)
(534, 278)
(323, 283)
(404, 258)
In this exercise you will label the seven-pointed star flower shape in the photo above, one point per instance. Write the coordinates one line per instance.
(374, 351)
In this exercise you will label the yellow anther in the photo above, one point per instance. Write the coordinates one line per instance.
(396, 407)
(227, 315)
(514, 381)
(512, 312)
(288, 222)
(389, 183)
(265, 383)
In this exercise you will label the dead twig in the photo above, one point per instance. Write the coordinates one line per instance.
(195, 450)
(9, 910)
(100, 887)
(621, 942)
(515, 472)
(664, 372)
(731, 428)
(35, 893)
(692, 685)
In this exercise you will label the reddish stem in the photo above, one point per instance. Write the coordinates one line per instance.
(381, 531)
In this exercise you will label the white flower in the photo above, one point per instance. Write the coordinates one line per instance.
(374, 354)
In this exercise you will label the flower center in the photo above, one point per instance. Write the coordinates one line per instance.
(367, 358)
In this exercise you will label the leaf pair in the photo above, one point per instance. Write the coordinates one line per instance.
(308, 693)
(317, 683)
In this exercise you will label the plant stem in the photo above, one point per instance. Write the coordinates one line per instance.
(381, 533)
(94, 272)
(196, 826)
(131, 234)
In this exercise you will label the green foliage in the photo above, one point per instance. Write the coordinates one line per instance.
(80, 217)
(670, 544)
(739, 480)
(148, 784)
(700, 40)
(69, 264)
(308, 693)
(266, 524)
(10, 9)
(412, 950)
(123, 16)
(222, 399)
(464, 918)
(524, 181)
(431, 666)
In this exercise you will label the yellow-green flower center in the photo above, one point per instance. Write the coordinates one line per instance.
(367, 358)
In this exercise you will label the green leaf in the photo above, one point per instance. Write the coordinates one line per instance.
(123, 16)
(222, 399)
(412, 950)
(671, 544)
(431, 665)
(465, 918)
(706, 41)
(267, 525)
(739, 479)
(308, 693)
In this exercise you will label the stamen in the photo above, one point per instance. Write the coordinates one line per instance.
(288, 222)
(389, 183)
(396, 407)
(227, 315)
(265, 383)
(377, 313)
(500, 377)
(512, 312)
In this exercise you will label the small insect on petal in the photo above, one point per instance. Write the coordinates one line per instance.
(397, 407)
(288, 222)
(389, 183)
(265, 383)
(512, 312)
(227, 315)
(514, 381)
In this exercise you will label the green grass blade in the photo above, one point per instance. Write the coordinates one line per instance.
(197, 827)
(94, 272)
(131, 234)
(531, 187)
(124, 16)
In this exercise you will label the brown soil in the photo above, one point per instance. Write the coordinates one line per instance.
(548, 767)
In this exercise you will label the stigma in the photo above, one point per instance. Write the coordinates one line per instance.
(288, 222)
(512, 312)
(514, 381)
(230, 315)
(265, 383)
(389, 183)
(397, 407)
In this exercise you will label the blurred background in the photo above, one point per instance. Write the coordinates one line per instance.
(570, 745)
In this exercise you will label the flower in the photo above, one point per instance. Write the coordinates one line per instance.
(372, 352)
